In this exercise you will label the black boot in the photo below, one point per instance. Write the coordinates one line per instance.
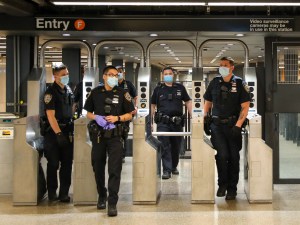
(112, 210)
(101, 203)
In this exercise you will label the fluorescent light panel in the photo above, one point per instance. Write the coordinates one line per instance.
(137, 3)
(182, 3)
(253, 3)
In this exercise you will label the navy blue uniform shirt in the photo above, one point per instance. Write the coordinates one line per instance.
(168, 100)
(128, 86)
(60, 100)
(227, 97)
(120, 101)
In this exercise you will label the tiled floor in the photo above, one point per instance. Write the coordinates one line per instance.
(173, 208)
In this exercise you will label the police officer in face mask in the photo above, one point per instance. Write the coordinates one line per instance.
(108, 106)
(227, 96)
(58, 101)
(167, 100)
(130, 88)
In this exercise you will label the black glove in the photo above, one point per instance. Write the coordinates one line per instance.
(207, 125)
(62, 141)
(236, 132)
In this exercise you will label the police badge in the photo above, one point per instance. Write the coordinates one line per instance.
(127, 96)
(47, 98)
(246, 87)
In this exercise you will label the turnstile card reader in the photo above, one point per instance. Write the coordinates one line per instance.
(144, 91)
(259, 159)
(251, 80)
(198, 89)
(146, 186)
(203, 166)
(90, 81)
(84, 184)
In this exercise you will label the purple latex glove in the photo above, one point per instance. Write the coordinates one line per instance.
(109, 126)
(100, 120)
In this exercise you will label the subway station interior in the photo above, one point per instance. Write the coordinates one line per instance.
(144, 37)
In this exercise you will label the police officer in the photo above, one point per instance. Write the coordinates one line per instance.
(78, 95)
(167, 101)
(109, 106)
(228, 97)
(58, 101)
(130, 88)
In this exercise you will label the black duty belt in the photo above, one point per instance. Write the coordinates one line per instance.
(161, 118)
(221, 120)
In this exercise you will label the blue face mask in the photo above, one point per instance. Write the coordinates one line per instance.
(224, 71)
(64, 80)
(112, 81)
(168, 78)
(120, 76)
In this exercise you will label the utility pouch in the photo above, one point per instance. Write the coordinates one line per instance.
(108, 133)
(157, 117)
(125, 132)
(44, 126)
(183, 118)
(165, 119)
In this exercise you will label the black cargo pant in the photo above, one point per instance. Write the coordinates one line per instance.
(127, 124)
(228, 156)
(61, 159)
(111, 147)
(171, 146)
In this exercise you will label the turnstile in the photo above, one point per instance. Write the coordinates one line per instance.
(146, 185)
(259, 170)
(203, 166)
(84, 184)
(6, 152)
(26, 161)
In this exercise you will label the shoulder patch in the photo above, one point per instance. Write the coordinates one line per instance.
(246, 87)
(127, 96)
(47, 98)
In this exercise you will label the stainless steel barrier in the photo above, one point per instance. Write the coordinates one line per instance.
(203, 166)
(172, 134)
(146, 186)
(84, 184)
(6, 152)
(26, 161)
(203, 161)
(259, 165)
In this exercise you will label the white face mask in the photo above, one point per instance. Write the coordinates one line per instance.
(112, 81)
(64, 79)
(120, 76)
(224, 71)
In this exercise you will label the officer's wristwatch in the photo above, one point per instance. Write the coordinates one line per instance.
(119, 118)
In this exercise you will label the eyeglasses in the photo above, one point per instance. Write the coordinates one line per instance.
(111, 75)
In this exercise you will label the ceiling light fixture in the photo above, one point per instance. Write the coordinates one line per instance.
(129, 3)
(253, 4)
(66, 35)
(240, 35)
(153, 35)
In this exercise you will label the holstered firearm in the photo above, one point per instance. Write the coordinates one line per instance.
(44, 125)
(94, 130)
(207, 122)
